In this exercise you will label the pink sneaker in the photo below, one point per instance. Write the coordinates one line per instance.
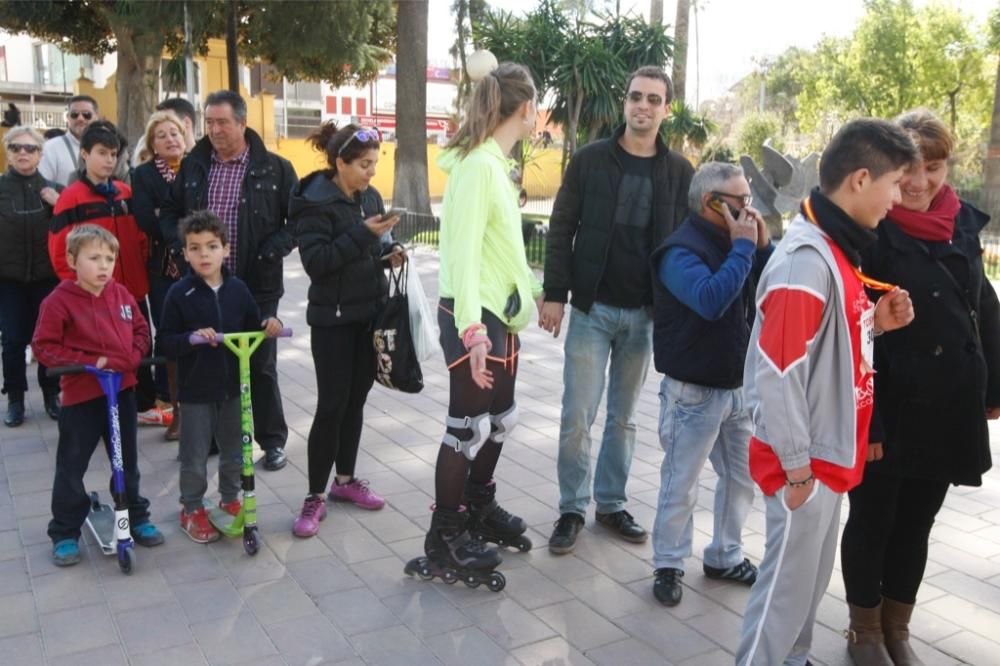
(357, 492)
(313, 511)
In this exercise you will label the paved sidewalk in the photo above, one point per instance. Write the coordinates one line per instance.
(342, 597)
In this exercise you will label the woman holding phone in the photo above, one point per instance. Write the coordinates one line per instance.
(345, 243)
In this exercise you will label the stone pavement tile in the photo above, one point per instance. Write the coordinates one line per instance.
(665, 634)
(278, 600)
(14, 576)
(33, 530)
(233, 640)
(78, 629)
(971, 589)
(208, 599)
(611, 599)
(389, 525)
(973, 618)
(385, 577)
(629, 652)
(31, 482)
(356, 611)
(29, 462)
(355, 546)
(426, 612)
(551, 652)
(188, 655)
(532, 589)
(598, 549)
(990, 532)
(389, 645)
(106, 655)
(970, 543)
(288, 548)
(153, 628)
(323, 575)
(69, 588)
(971, 648)
(8, 517)
(962, 521)
(25, 443)
(967, 505)
(414, 504)
(722, 627)
(144, 587)
(246, 569)
(507, 623)
(562, 568)
(188, 565)
(469, 646)
(17, 614)
(309, 640)
(693, 602)
(24, 650)
(579, 625)
(713, 658)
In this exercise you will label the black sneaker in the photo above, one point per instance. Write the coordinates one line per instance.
(623, 523)
(275, 459)
(667, 586)
(744, 572)
(564, 535)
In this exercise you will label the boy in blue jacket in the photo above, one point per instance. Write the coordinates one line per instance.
(205, 301)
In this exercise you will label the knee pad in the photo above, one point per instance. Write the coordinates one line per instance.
(480, 432)
(503, 424)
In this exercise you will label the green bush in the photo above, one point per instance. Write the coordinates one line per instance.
(754, 130)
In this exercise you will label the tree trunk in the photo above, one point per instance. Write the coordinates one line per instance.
(137, 79)
(232, 56)
(410, 188)
(681, 48)
(991, 167)
(656, 12)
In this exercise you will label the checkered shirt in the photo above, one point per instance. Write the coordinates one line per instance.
(225, 184)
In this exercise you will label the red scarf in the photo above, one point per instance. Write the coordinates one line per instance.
(937, 223)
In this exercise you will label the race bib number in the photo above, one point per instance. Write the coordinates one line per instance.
(868, 339)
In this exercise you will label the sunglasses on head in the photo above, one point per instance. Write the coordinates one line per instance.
(87, 115)
(652, 98)
(363, 135)
(29, 148)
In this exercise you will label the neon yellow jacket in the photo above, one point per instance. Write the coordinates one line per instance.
(482, 247)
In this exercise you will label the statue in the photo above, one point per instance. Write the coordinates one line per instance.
(780, 184)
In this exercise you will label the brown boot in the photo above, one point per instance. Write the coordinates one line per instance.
(173, 432)
(896, 629)
(865, 643)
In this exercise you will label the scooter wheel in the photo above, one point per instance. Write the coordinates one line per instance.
(496, 582)
(126, 560)
(251, 541)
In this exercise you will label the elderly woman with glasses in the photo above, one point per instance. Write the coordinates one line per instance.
(344, 242)
(26, 275)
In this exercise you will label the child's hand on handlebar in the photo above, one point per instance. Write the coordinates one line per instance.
(272, 326)
(209, 334)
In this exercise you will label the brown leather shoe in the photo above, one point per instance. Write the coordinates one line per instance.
(865, 643)
(896, 629)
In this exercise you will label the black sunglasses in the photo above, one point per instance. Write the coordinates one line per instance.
(745, 199)
(87, 115)
(652, 98)
(29, 148)
(363, 135)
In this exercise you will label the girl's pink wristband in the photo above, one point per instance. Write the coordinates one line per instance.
(476, 335)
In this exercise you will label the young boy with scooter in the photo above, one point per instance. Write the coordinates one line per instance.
(93, 321)
(208, 300)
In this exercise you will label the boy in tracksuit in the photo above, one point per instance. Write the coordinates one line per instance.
(95, 321)
(206, 301)
(809, 381)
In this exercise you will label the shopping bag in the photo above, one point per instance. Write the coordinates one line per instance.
(423, 326)
(397, 364)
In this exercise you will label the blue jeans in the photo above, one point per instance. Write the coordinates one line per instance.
(626, 336)
(699, 422)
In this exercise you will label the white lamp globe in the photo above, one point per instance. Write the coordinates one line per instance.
(479, 64)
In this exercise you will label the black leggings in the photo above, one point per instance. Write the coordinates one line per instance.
(345, 371)
(883, 552)
(467, 399)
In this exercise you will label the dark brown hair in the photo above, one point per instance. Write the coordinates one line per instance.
(203, 220)
(878, 145)
(652, 72)
(929, 133)
(329, 140)
(495, 98)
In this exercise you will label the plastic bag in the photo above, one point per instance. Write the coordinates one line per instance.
(423, 323)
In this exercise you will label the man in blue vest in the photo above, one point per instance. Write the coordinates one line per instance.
(706, 273)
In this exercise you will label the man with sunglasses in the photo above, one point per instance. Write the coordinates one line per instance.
(61, 160)
(231, 173)
(706, 273)
(620, 198)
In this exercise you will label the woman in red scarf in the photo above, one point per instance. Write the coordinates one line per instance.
(937, 383)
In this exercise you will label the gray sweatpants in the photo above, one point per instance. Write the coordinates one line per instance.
(200, 421)
(798, 561)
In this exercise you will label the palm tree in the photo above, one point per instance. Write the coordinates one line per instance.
(684, 130)
(656, 12)
(410, 188)
(991, 165)
(681, 47)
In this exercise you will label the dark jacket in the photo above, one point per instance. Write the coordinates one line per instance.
(149, 195)
(583, 216)
(347, 277)
(263, 240)
(936, 376)
(205, 373)
(24, 227)
(687, 346)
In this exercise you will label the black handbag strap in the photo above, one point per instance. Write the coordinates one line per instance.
(397, 280)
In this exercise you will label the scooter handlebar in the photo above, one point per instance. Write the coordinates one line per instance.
(79, 369)
(196, 339)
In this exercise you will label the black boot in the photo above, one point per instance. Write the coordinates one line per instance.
(449, 544)
(52, 403)
(15, 409)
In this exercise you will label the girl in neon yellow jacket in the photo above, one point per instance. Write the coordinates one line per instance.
(487, 290)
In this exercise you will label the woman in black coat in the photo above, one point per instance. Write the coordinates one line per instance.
(26, 275)
(343, 236)
(162, 153)
(937, 383)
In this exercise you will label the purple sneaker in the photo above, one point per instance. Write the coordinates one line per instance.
(357, 492)
(313, 511)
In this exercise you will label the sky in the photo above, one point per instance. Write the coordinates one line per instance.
(732, 32)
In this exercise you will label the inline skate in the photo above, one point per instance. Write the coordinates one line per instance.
(452, 554)
(490, 522)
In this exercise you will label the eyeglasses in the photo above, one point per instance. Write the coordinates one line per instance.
(30, 148)
(363, 135)
(653, 99)
(87, 115)
(745, 199)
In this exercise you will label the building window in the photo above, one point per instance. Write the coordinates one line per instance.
(331, 104)
(362, 106)
(345, 105)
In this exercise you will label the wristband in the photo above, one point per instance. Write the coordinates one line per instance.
(476, 335)
(798, 484)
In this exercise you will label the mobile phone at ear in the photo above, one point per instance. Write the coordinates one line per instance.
(395, 212)
(716, 203)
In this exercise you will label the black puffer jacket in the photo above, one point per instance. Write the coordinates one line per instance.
(343, 259)
(24, 227)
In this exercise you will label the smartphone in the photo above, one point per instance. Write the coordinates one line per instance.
(716, 203)
(395, 212)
